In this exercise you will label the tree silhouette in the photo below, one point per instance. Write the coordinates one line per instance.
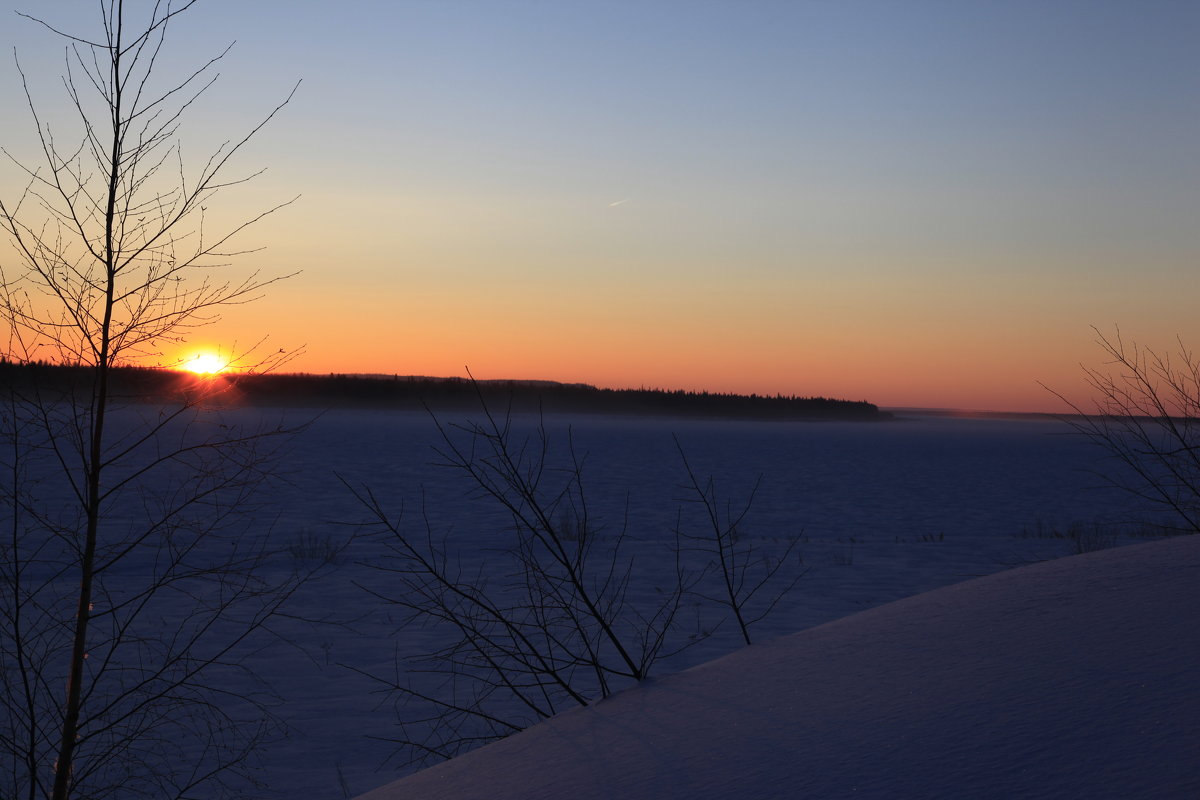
(132, 576)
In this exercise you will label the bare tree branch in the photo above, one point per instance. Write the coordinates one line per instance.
(133, 569)
(1145, 413)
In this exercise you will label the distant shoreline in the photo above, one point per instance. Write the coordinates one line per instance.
(141, 384)
(967, 413)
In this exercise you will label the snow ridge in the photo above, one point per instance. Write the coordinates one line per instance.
(1069, 678)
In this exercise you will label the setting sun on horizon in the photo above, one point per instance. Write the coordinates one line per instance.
(552, 353)
(917, 204)
(205, 363)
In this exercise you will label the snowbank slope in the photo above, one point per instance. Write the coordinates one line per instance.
(1071, 678)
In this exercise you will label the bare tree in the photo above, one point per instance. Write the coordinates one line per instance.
(548, 618)
(1145, 412)
(133, 575)
(741, 574)
(547, 625)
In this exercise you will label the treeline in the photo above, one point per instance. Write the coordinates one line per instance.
(41, 380)
(439, 394)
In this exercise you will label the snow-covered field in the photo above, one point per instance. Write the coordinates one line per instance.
(1070, 678)
(878, 511)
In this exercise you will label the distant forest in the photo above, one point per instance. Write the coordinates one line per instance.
(139, 384)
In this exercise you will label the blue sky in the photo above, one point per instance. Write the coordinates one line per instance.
(912, 202)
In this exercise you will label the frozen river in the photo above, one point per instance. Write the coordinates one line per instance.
(878, 511)
(866, 513)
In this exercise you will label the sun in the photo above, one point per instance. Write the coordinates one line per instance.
(206, 364)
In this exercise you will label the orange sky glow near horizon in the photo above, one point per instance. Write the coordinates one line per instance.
(899, 373)
(924, 204)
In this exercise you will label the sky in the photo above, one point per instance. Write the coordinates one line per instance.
(915, 203)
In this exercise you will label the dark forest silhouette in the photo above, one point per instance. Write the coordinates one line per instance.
(415, 392)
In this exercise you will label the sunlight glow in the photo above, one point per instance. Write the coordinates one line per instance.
(206, 364)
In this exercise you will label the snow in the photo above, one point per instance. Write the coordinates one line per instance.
(880, 512)
(876, 513)
(1067, 678)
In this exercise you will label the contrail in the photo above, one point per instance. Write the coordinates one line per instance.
(618, 202)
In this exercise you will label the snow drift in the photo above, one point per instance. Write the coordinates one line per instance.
(1069, 678)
